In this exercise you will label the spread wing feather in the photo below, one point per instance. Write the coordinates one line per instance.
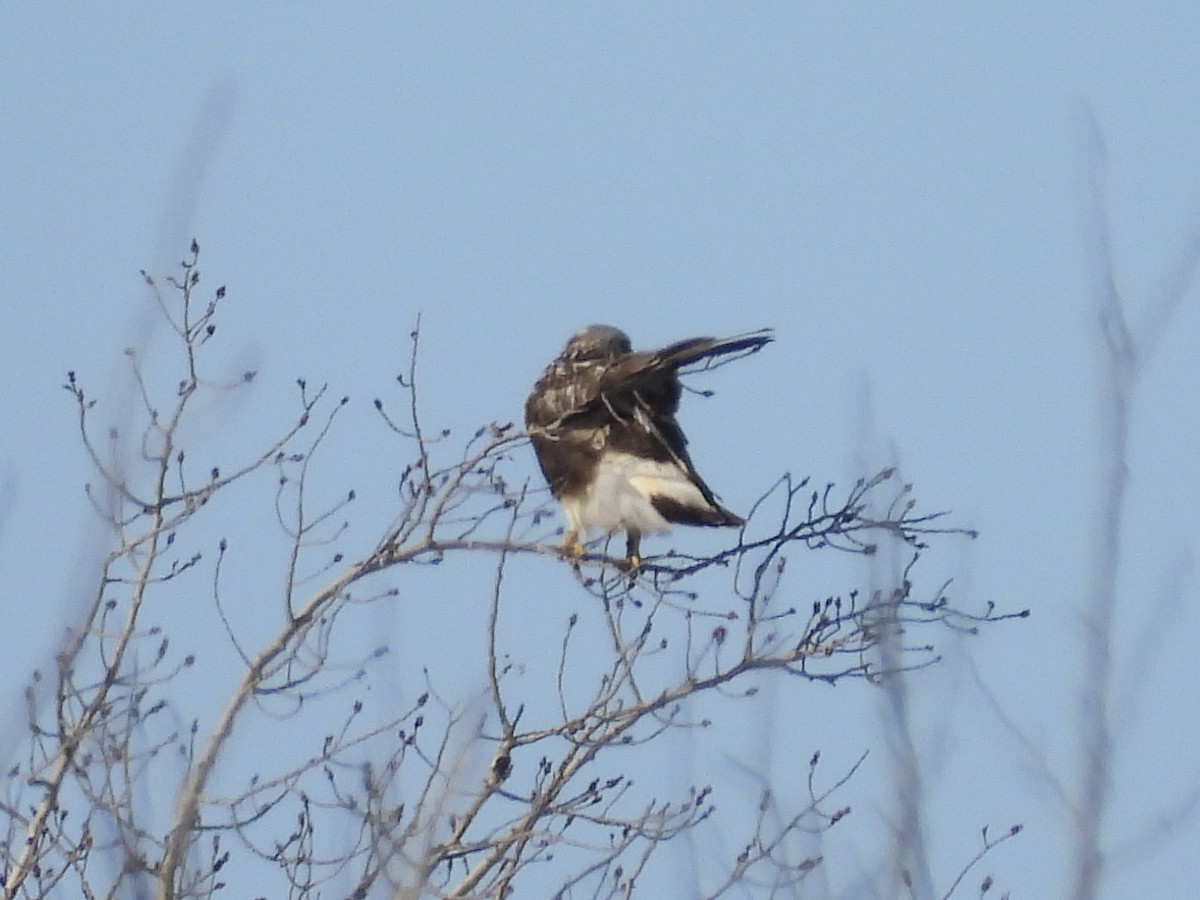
(570, 388)
(636, 367)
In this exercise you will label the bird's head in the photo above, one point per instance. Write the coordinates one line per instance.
(597, 342)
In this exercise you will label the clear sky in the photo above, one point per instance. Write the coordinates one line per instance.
(895, 188)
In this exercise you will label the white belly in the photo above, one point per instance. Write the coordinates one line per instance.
(619, 497)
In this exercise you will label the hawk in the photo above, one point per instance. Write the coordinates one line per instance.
(602, 422)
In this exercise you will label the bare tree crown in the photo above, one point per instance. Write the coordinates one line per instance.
(521, 788)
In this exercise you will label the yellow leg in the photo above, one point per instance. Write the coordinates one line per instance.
(633, 542)
(571, 546)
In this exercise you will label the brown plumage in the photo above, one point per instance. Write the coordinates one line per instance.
(602, 422)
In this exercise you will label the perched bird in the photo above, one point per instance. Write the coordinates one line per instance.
(602, 422)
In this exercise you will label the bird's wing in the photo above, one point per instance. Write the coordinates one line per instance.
(591, 393)
(570, 389)
(706, 351)
(565, 390)
(643, 391)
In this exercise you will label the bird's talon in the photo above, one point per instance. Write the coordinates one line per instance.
(571, 548)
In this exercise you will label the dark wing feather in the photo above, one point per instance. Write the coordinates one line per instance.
(643, 388)
(627, 372)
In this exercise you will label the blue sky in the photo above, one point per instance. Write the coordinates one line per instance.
(896, 190)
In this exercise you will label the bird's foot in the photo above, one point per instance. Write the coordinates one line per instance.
(633, 555)
(571, 547)
(630, 567)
